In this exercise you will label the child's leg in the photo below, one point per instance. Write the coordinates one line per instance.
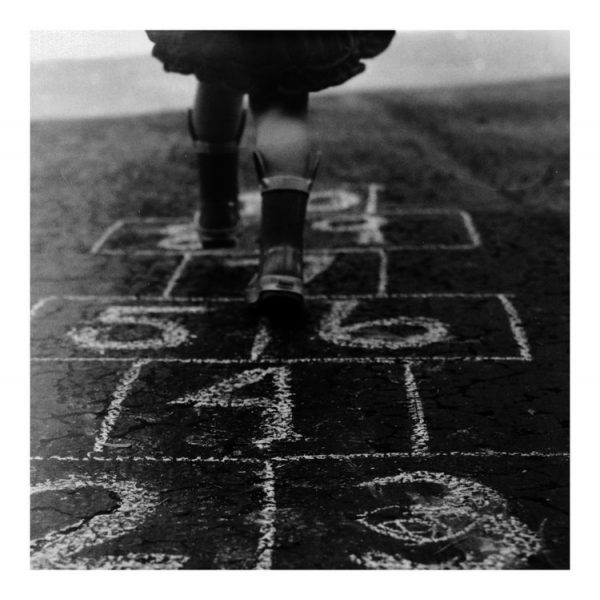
(216, 113)
(215, 124)
(283, 150)
(282, 131)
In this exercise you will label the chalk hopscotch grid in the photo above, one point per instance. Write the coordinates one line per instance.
(466, 219)
(371, 209)
(262, 337)
(419, 434)
(266, 521)
(268, 511)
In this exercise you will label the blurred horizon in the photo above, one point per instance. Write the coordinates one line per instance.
(78, 74)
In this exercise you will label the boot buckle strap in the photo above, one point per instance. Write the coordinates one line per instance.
(285, 182)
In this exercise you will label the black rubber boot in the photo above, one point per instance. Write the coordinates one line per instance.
(217, 216)
(278, 287)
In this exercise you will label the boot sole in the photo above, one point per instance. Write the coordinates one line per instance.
(221, 238)
(281, 306)
(213, 244)
(278, 296)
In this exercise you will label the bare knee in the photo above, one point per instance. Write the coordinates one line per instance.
(282, 130)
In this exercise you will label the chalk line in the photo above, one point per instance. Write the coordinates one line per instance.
(471, 229)
(416, 211)
(177, 273)
(261, 340)
(419, 437)
(221, 253)
(217, 299)
(37, 307)
(371, 233)
(332, 360)
(106, 235)
(266, 541)
(156, 459)
(116, 405)
(371, 206)
(382, 284)
(516, 326)
(160, 459)
(372, 213)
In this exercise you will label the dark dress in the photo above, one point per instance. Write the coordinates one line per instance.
(269, 61)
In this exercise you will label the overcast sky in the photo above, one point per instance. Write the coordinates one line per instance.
(49, 45)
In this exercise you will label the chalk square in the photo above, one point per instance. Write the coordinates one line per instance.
(121, 327)
(146, 515)
(410, 326)
(189, 411)
(495, 406)
(158, 235)
(423, 513)
(68, 404)
(152, 235)
(407, 229)
(396, 229)
(323, 273)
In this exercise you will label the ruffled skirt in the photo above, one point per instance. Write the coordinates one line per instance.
(269, 61)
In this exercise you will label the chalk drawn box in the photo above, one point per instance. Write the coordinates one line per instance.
(224, 411)
(401, 229)
(396, 229)
(124, 327)
(333, 273)
(157, 235)
(425, 326)
(422, 513)
(145, 515)
(480, 407)
(347, 328)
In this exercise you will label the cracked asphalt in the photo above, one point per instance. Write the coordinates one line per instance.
(205, 438)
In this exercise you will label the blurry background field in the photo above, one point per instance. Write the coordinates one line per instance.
(96, 73)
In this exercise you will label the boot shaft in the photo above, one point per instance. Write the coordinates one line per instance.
(217, 216)
(283, 208)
